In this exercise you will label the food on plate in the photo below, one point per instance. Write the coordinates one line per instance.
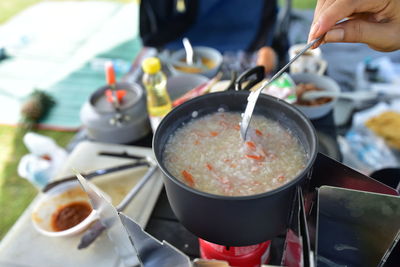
(69, 215)
(209, 154)
(206, 62)
(306, 87)
(386, 125)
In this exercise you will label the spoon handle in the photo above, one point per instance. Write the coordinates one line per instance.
(301, 52)
(189, 51)
(252, 99)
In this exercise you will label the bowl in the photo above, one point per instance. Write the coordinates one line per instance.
(203, 52)
(178, 85)
(322, 82)
(52, 201)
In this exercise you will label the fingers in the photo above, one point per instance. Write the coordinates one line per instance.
(332, 11)
(379, 36)
(318, 8)
(317, 13)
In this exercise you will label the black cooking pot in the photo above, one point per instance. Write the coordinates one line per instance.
(227, 220)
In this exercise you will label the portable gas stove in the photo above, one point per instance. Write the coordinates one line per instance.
(291, 248)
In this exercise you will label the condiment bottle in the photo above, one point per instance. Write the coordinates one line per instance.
(155, 82)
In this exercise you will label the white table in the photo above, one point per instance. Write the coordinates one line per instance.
(23, 246)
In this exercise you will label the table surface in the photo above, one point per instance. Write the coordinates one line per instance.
(24, 246)
(37, 249)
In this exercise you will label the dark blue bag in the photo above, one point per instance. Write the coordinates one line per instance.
(227, 25)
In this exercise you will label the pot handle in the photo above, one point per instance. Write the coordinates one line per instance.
(252, 76)
(232, 82)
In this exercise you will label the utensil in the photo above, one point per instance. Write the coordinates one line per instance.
(360, 96)
(110, 219)
(124, 155)
(119, 118)
(135, 246)
(95, 173)
(98, 227)
(223, 218)
(252, 99)
(111, 81)
(189, 51)
(197, 91)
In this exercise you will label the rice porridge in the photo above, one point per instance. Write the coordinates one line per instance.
(209, 154)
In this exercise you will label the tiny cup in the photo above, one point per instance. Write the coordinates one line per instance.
(310, 62)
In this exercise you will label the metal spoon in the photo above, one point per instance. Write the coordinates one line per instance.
(252, 99)
(189, 51)
(359, 96)
(191, 59)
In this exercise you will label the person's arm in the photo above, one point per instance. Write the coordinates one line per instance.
(373, 22)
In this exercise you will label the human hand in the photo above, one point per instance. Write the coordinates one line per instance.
(373, 22)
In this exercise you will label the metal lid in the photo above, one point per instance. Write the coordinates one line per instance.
(100, 103)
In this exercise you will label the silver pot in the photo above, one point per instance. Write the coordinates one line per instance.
(103, 123)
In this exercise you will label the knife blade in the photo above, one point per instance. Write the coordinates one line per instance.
(97, 228)
(110, 219)
(95, 173)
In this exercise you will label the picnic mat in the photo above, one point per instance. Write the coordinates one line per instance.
(60, 47)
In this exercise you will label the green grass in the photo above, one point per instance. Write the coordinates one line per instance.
(15, 192)
(304, 4)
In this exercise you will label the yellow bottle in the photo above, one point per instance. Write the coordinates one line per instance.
(155, 82)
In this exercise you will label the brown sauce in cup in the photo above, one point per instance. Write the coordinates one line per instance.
(69, 215)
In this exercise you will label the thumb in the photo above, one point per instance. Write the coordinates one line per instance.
(379, 36)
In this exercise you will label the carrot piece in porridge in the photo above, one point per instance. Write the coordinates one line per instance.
(281, 178)
(188, 178)
(256, 157)
(251, 145)
(209, 166)
(213, 133)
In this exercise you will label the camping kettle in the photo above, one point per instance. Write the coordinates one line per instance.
(104, 123)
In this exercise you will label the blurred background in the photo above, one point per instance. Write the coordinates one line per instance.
(58, 47)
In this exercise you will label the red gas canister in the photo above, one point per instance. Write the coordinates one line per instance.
(248, 256)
